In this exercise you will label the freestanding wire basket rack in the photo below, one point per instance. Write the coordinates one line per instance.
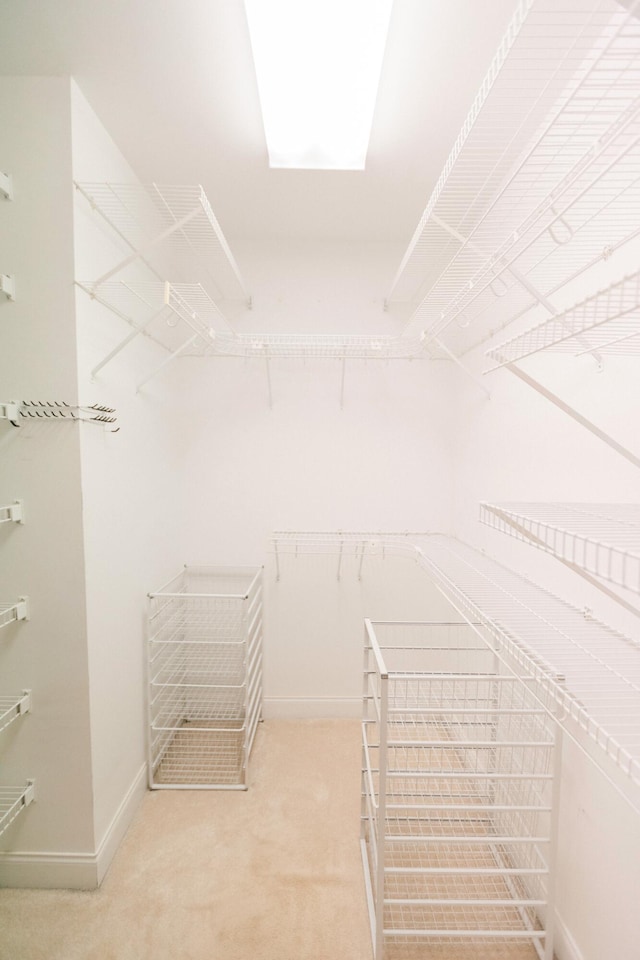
(458, 805)
(205, 677)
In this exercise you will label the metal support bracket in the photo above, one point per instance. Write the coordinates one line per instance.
(538, 387)
(6, 186)
(8, 286)
(10, 411)
(24, 704)
(14, 512)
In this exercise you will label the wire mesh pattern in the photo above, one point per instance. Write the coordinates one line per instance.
(10, 612)
(318, 347)
(544, 178)
(600, 538)
(13, 800)
(457, 791)
(205, 677)
(608, 321)
(179, 218)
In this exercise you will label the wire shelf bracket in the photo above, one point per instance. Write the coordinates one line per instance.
(48, 411)
(16, 610)
(6, 186)
(11, 708)
(12, 512)
(7, 286)
(13, 800)
(600, 541)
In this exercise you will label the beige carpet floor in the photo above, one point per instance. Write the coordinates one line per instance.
(273, 873)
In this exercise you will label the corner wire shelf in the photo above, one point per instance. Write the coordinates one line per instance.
(16, 610)
(543, 180)
(178, 218)
(602, 539)
(49, 410)
(588, 672)
(608, 321)
(11, 708)
(348, 545)
(13, 800)
(318, 346)
(12, 512)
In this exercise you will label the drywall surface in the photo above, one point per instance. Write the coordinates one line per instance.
(40, 464)
(360, 447)
(517, 446)
(132, 506)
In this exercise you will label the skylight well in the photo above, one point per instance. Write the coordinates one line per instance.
(318, 65)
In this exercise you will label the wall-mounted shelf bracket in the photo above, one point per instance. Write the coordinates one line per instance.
(13, 707)
(7, 286)
(13, 800)
(14, 412)
(17, 610)
(627, 454)
(12, 512)
(6, 186)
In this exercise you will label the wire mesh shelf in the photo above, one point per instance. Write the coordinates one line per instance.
(11, 708)
(10, 612)
(205, 677)
(177, 218)
(602, 539)
(606, 322)
(12, 512)
(458, 803)
(13, 800)
(540, 184)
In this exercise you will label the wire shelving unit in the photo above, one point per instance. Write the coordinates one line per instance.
(12, 611)
(13, 800)
(544, 179)
(458, 816)
(205, 677)
(602, 539)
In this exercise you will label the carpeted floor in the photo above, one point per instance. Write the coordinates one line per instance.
(273, 873)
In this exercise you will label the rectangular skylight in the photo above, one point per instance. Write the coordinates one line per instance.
(318, 65)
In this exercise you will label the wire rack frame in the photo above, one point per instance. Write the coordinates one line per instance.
(179, 217)
(204, 670)
(13, 800)
(458, 801)
(602, 539)
(273, 346)
(506, 213)
(16, 610)
(13, 707)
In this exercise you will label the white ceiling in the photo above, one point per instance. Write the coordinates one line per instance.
(173, 82)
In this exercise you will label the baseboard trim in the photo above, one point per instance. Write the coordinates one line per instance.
(564, 946)
(73, 871)
(302, 708)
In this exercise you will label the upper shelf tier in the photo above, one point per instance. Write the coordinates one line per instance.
(176, 221)
(543, 180)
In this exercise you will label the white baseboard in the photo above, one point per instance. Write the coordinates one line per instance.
(302, 708)
(564, 946)
(73, 871)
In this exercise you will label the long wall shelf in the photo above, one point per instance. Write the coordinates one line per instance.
(602, 539)
(540, 185)
(589, 672)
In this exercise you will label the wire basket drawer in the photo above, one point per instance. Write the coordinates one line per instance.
(205, 677)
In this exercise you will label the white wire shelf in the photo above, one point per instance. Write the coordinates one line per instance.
(543, 180)
(608, 322)
(11, 708)
(13, 800)
(178, 218)
(55, 410)
(15, 610)
(12, 512)
(318, 346)
(602, 539)
(588, 671)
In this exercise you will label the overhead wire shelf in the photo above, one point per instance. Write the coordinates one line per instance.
(178, 218)
(317, 346)
(11, 708)
(601, 538)
(540, 185)
(13, 800)
(608, 321)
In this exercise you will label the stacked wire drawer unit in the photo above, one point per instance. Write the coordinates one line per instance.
(205, 677)
(458, 806)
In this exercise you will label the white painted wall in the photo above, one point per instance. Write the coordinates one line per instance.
(381, 462)
(517, 446)
(40, 463)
